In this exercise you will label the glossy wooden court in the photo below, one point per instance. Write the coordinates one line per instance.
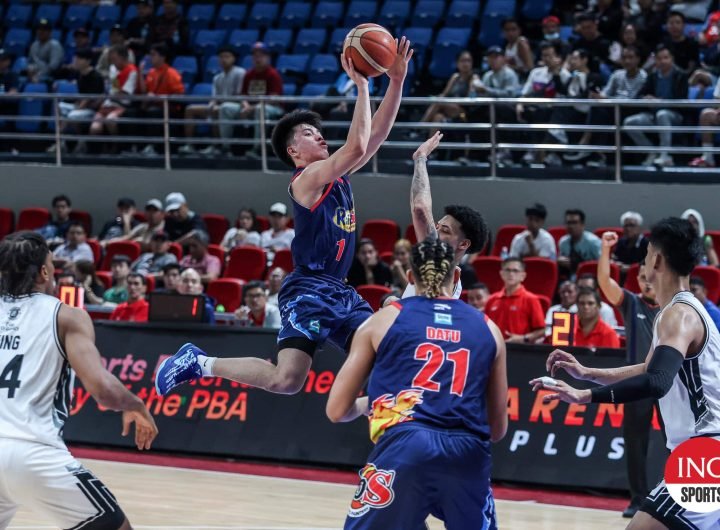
(167, 498)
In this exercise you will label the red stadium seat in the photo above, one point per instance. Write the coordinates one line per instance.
(410, 234)
(504, 237)
(487, 270)
(176, 249)
(32, 218)
(97, 250)
(7, 222)
(149, 283)
(226, 292)
(130, 248)
(283, 259)
(84, 217)
(590, 267)
(715, 235)
(373, 294)
(388, 257)
(246, 263)
(105, 277)
(601, 230)
(545, 303)
(464, 295)
(383, 233)
(217, 225)
(711, 277)
(263, 223)
(140, 217)
(291, 223)
(631, 281)
(542, 276)
(557, 232)
(217, 250)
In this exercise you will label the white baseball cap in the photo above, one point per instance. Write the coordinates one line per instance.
(278, 207)
(174, 200)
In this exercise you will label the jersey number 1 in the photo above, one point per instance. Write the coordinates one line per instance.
(10, 376)
(434, 357)
(341, 249)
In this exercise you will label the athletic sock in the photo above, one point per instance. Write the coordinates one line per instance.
(206, 364)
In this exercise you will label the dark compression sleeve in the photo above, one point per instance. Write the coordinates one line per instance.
(654, 383)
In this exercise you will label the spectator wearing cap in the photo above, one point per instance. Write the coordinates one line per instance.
(198, 257)
(578, 244)
(698, 288)
(632, 246)
(228, 82)
(261, 80)
(117, 38)
(535, 241)
(171, 29)
(477, 295)
(78, 113)
(75, 247)
(256, 312)
(46, 54)
(245, 233)
(591, 40)
(685, 50)
(278, 236)
(152, 263)
(55, 231)
(81, 41)
(180, 221)
(500, 81)
(135, 309)
(139, 27)
(161, 80)
(123, 222)
(590, 330)
(518, 51)
(155, 223)
(368, 268)
(119, 268)
(191, 283)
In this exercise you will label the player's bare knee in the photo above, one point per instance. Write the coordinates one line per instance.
(290, 382)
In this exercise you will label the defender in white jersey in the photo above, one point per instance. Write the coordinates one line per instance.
(682, 369)
(42, 343)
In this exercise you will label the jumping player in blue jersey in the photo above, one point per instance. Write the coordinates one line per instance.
(315, 303)
(438, 394)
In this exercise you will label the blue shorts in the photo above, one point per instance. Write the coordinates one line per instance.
(316, 308)
(415, 471)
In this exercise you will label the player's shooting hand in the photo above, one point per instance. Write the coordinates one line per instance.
(145, 428)
(428, 146)
(562, 360)
(562, 391)
(398, 70)
(354, 75)
(609, 239)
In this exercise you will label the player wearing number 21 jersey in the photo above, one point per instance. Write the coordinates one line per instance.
(438, 397)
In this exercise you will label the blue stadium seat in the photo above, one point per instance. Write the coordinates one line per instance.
(310, 40)
(31, 107)
(50, 12)
(199, 16)
(212, 67)
(103, 37)
(566, 32)
(420, 39)
(327, 14)
(295, 15)
(278, 40)
(106, 17)
(17, 41)
(491, 29)
(241, 40)
(187, 66)
(428, 13)
(708, 92)
(289, 89)
(462, 14)
(161, 9)
(246, 62)
(202, 89)
(77, 16)
(409, 79)
(315, 89)
(503, 7)
(337, 38)
(17, 16)
(130, 13)
(394, 13)
(293, 66)
(360, 11)
(324, 68)
(230, 16)
(262, 15)
(20, 64)
(449, 42)
(536, 9)
(208, 41)
(66, 87)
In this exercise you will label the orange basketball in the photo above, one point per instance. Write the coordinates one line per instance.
(372, 49)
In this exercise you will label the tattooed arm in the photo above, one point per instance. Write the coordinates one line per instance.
(420, 196)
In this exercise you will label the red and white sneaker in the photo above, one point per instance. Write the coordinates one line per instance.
(700, 162)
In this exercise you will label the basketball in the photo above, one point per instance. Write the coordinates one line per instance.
(372, 49)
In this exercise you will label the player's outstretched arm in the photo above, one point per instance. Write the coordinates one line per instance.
(561, 360)
(78, 337)
(497, 389)
(420, 195)
(612, 291)
(384, 118)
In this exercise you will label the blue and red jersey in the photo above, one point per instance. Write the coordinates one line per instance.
(324, 240)
(433, 367)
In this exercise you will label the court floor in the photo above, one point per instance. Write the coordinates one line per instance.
(169, 498)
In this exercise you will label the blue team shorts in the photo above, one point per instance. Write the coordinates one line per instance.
(415, 471)
(316, 308)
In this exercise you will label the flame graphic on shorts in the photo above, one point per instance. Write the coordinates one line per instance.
(389, 410)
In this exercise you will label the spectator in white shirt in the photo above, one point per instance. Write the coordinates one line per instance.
(275, 280)
(279, 236)
(568, 293)
(244, 234)
(257, 312)
(76, 247)
(535, 242)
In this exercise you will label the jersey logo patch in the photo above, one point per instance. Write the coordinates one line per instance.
(443, 318)
(314, 326)
(14, 313)
(441, 307)
(344, 219)
(389, 410)
(374, 491)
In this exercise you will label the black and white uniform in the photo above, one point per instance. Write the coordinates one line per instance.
(690, 409)
(36, 382)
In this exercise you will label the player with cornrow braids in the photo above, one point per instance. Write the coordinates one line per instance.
(438, 390)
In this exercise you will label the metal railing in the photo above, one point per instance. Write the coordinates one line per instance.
(496, 131)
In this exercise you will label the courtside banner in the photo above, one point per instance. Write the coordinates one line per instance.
(575, 446)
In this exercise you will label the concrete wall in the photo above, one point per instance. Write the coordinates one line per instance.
(96, 189)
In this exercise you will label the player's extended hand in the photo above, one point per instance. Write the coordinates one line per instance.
(354, 75)
(428, 146)
(562, 360)
(560, 390)
(399, 68)
(145, 428)
(609, 239)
